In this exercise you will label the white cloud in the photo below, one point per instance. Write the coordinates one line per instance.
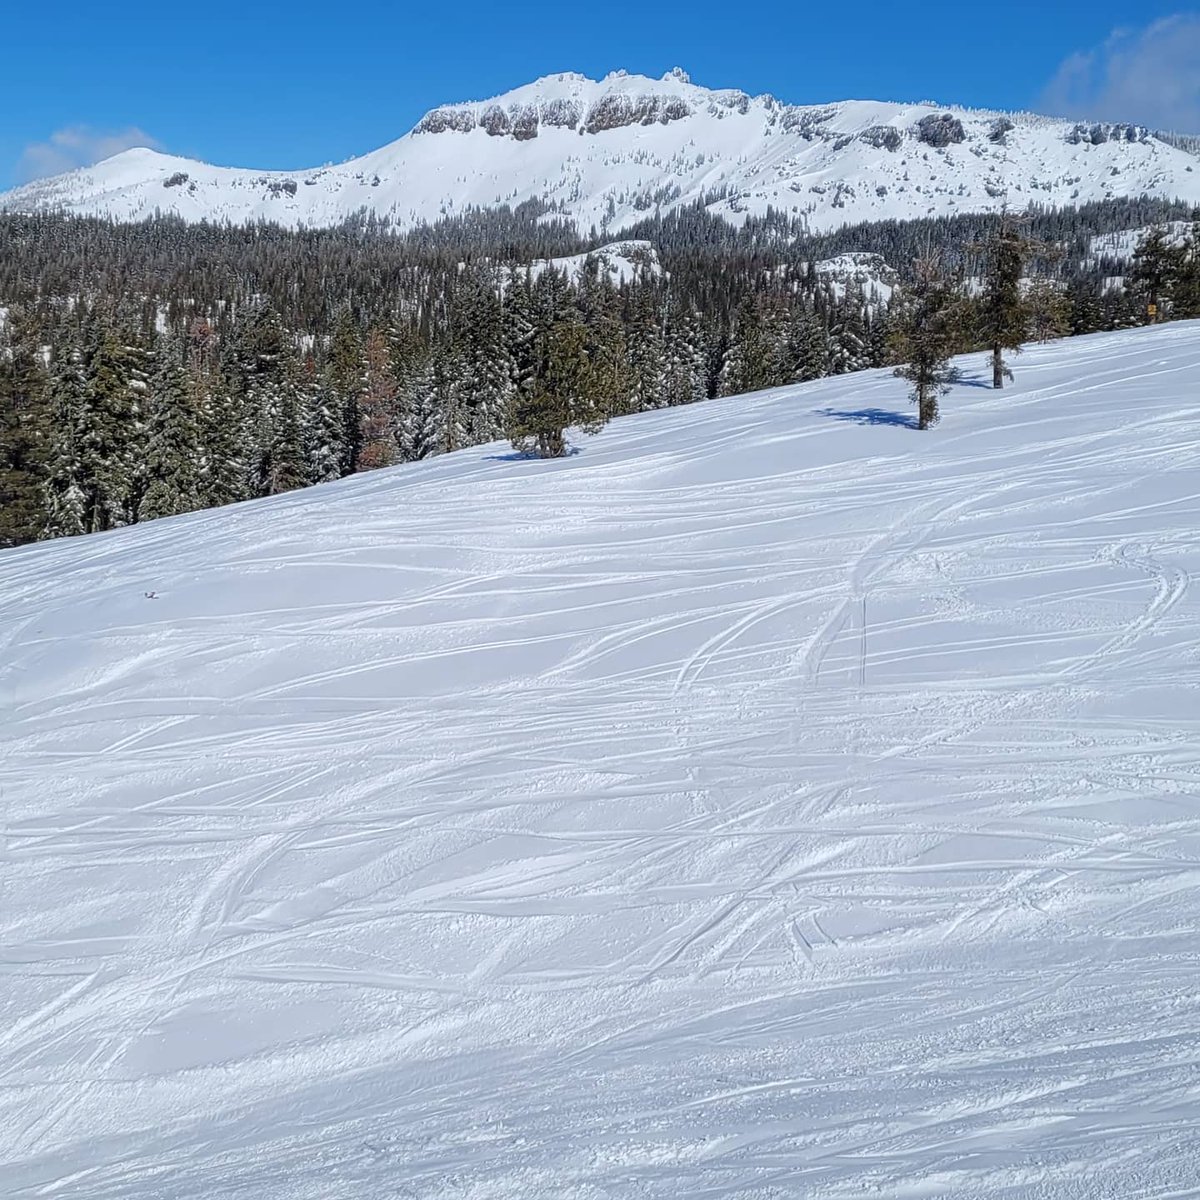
(1149, 76)
(78, 146)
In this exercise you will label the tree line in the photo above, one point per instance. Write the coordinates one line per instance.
(148, 370)
(938, 316)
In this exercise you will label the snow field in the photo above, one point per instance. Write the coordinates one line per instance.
(768, 800)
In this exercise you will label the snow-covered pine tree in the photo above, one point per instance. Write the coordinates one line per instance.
(328, 453)
(685, 368)
(520, 331)
(224, 435)
(342, 386)
(116, 388)
(220, 418)
(848, 339)
(1153, 272)
(96, 475)
(69, 501)
(486, 385)
(416, 400)
(172, 436)
(807, 345)
(444, 428)
(645, 346)
(264, 369)
(756, 355)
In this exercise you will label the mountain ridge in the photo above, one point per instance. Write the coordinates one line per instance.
(607, 152)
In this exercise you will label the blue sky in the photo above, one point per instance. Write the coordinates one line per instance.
(277, 86)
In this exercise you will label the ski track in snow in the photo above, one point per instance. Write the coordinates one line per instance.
(761, 803)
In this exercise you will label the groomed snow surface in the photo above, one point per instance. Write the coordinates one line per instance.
(768, 801)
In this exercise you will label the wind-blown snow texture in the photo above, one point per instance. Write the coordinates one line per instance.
(608, 152)
(767, 801)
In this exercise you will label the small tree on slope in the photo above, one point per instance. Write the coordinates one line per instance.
(925, 335)
(563, 394)
(1003, 314)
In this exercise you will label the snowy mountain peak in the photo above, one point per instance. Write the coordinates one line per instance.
(574, 102)
(607, 152)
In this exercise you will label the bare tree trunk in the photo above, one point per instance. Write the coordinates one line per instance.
(927, 406)
(997, 366)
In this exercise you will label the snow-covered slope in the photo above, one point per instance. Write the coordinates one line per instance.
(867, 274)
(1123, 244)
(609, 151)
(768, 801)
(619, 262)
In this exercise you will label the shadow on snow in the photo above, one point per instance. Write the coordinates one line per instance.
(870, 416)
(521, 456)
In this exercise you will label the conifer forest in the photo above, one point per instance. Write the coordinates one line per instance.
(158, 368)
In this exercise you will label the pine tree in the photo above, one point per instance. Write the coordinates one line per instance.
(645, 347)
(848, 339)
(1002, 316)
(328, 455)
(221, 467)
(264, 370)
(606, 344)
(445, 426)
(416, 403)
(291, 453)
(1185, 298)
(97, 463)
(486, 381)
(25, 431)
(925, 336)
(564, 394)
(685, 367)
(377, 406)
(70, 500)
(224, 436)
(1047, 310)
(1153, 272)
(114, 444)
(172, 438)
(755, 355)
(343, 384)
(807, 346)
(1086, 307)
(520, 333)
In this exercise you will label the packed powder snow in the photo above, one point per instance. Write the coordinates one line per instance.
(769, 800)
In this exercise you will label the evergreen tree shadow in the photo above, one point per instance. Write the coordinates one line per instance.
(522, 456)
(870, 416)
